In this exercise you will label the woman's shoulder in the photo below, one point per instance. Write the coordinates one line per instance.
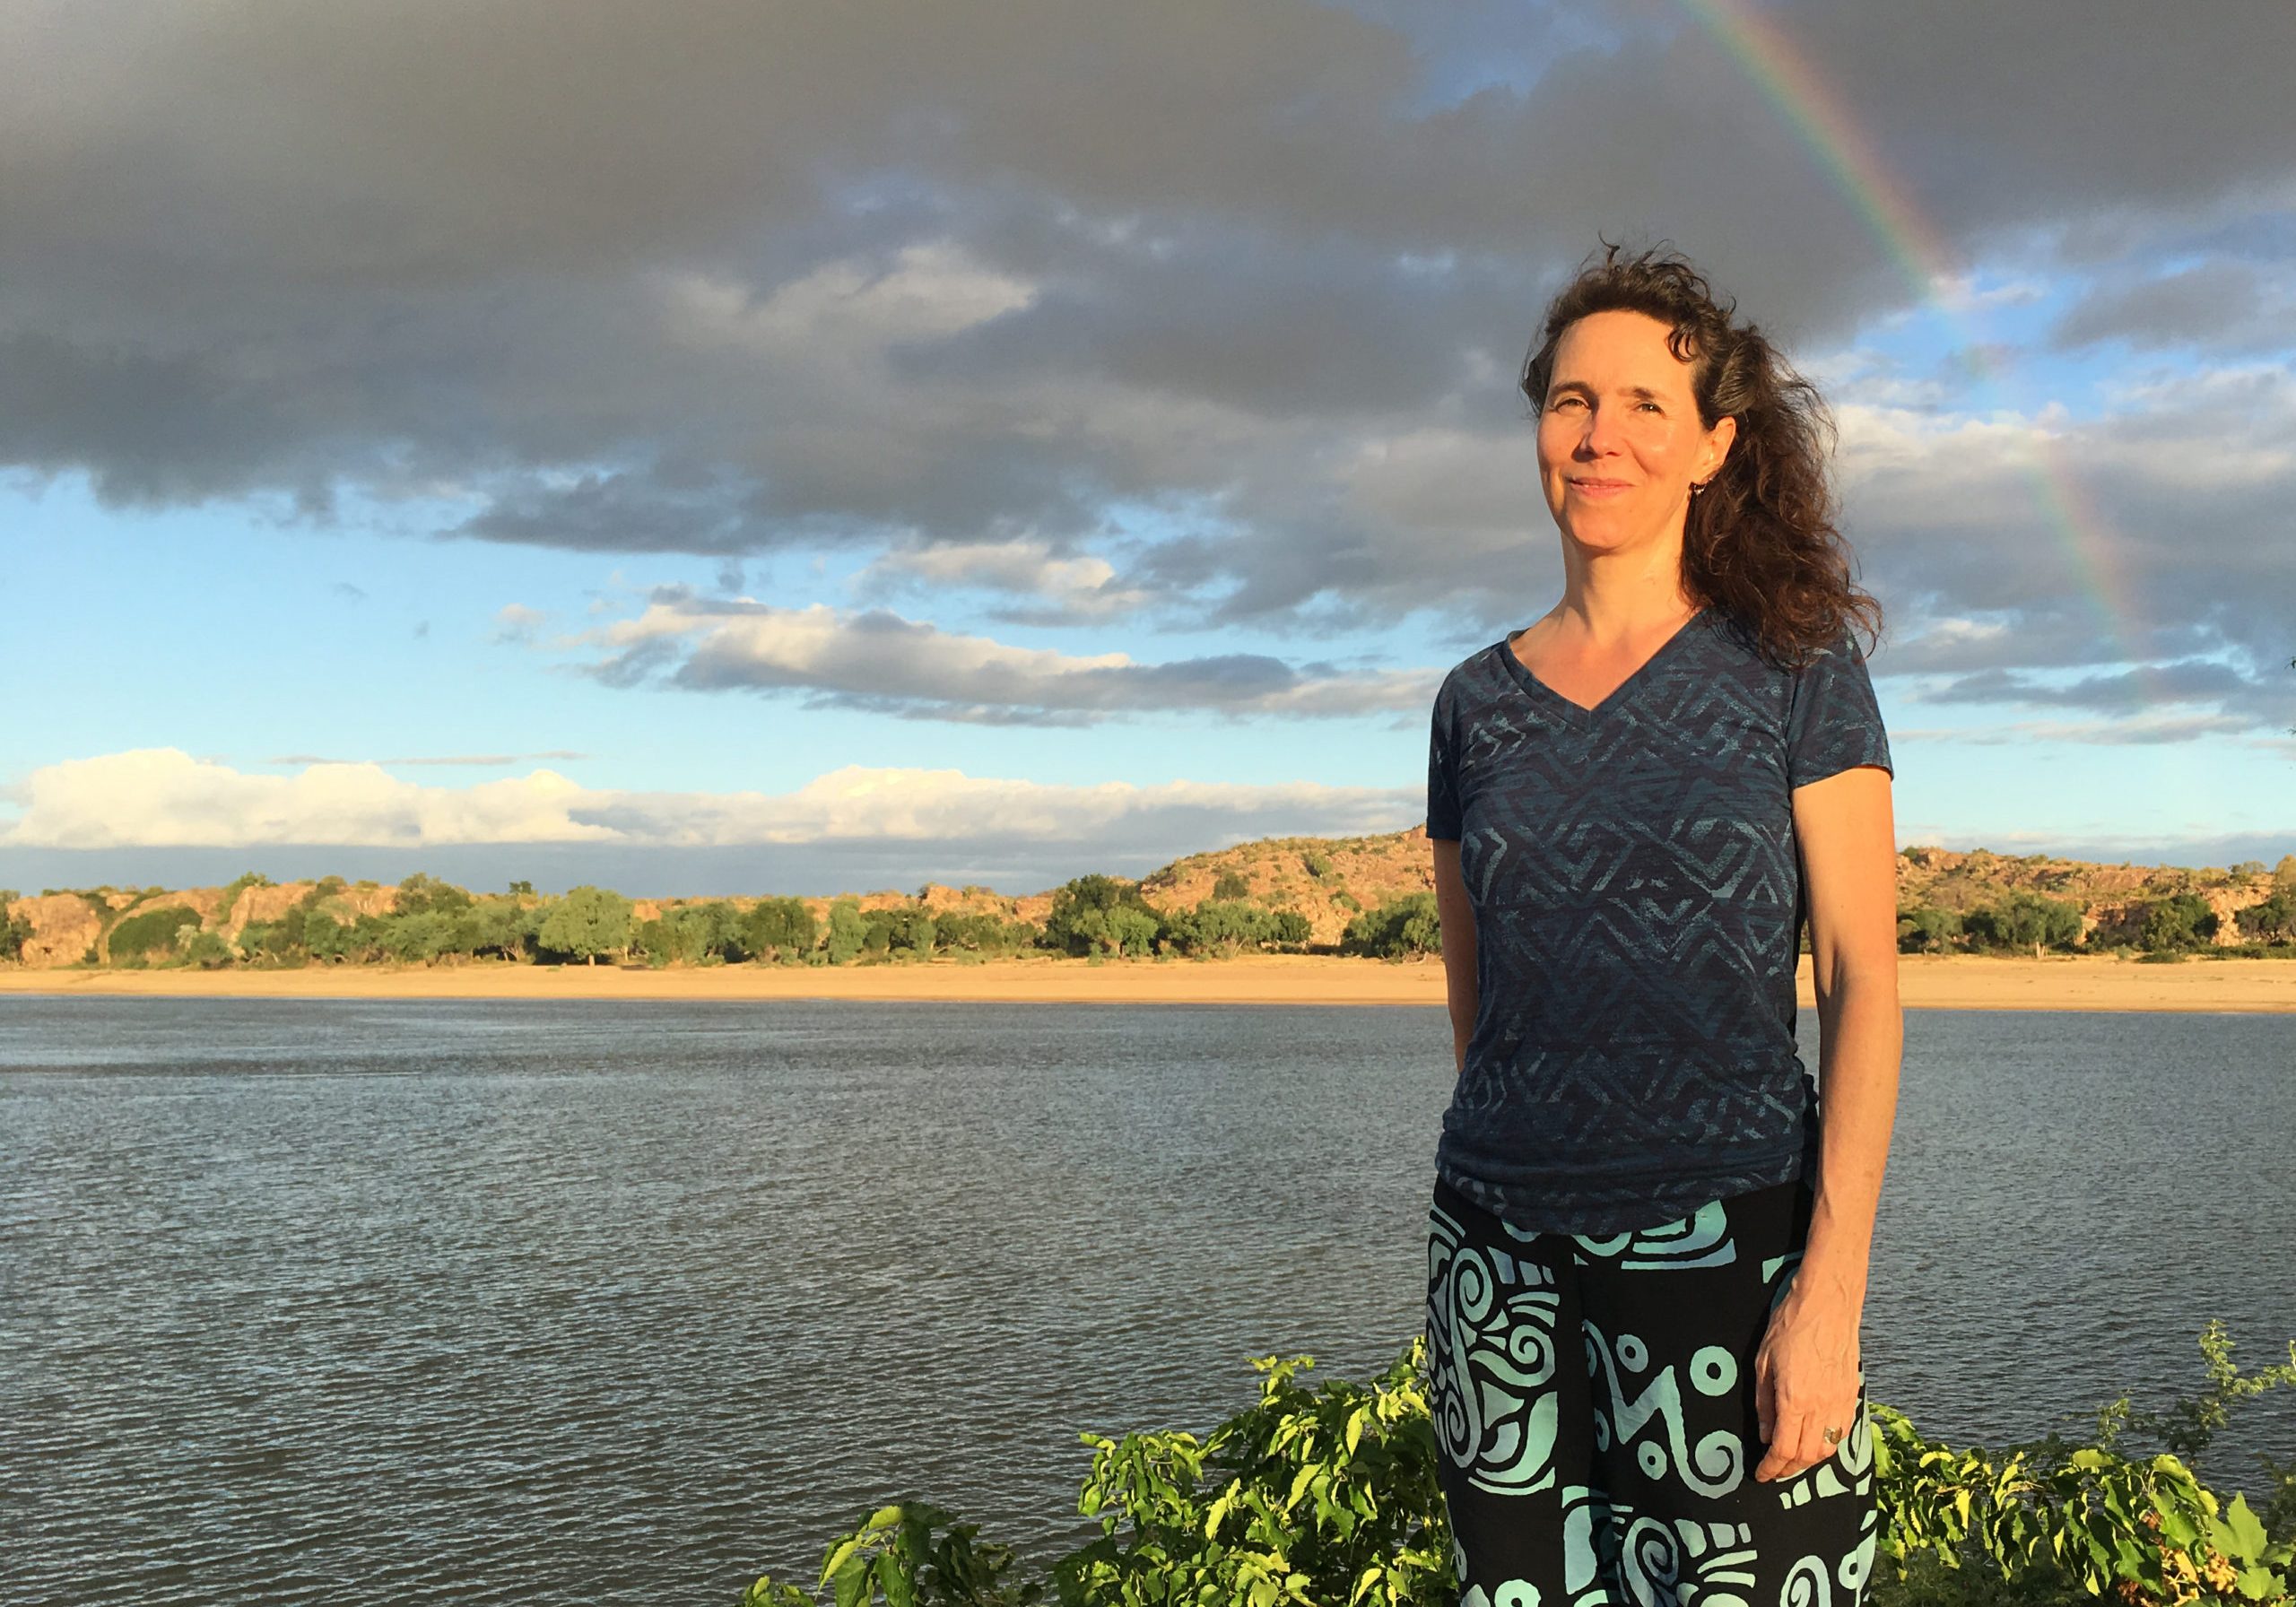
(1473, 674)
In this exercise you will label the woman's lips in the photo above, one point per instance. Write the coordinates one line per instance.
(1599, 487)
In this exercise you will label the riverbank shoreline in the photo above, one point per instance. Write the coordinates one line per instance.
(1931, 982)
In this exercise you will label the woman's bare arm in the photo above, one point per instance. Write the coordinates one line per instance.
(1807, 1372)
(1458, 914)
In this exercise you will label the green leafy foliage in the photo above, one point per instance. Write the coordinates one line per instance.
(979, 932)
(2023, 920)
(849, 934)
(149, 934)
(778, 928)
(424, 894)
(708, 934)
(1926, 929)
(2180, 921)
(1403, 927)
(1099, 915)
(2272, 921)
(587, 922)
(1217, 928)
(1326, 1497)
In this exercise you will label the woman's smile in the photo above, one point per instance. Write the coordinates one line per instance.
(1590, 485)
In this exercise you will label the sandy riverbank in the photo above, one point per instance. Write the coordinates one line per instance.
(1957, 982)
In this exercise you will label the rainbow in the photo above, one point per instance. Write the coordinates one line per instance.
(1921, 254)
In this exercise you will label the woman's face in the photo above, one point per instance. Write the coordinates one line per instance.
(1620, 441)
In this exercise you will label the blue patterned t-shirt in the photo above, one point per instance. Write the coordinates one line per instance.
(1637, 913)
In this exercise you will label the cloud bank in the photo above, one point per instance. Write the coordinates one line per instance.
(163, 797)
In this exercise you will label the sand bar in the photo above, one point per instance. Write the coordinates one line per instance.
(1956, 982)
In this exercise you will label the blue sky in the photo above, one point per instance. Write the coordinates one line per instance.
(834, 450)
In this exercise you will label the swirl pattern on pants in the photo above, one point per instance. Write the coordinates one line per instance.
(1491, 1318)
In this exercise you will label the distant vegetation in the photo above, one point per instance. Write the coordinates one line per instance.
(1958, 915)
(1326, 1497)
(1369, 898)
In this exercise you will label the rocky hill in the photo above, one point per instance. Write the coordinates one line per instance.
(1328, 880)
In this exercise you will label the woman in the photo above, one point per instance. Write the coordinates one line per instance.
(1647, 1253)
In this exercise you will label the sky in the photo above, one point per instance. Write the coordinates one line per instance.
(776, 447)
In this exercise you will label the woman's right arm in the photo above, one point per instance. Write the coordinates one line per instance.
(1457, 913)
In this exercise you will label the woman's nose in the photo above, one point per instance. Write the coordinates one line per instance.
(1598, 439)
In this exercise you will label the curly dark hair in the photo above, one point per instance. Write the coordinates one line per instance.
(1760, 544)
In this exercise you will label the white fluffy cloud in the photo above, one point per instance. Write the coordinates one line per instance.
(163, 797)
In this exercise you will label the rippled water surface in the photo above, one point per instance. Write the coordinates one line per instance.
(631, 1302)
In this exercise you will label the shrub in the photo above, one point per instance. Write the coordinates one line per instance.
(849, 934)
(2180, 921)
(911, 932)
(1406, 925)
(1084, 917)
(587, 922)
(1328, 1495)
(1925, 929)
(983, 933)
(208, 952)
(149, 934)
(422, 894)
(2024, 920)
(2273, 920)
(776, 927)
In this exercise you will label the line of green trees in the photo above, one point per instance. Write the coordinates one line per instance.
(433, 921)
(2174, 925)
(1091, 916)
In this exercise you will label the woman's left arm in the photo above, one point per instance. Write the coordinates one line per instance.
(1806, 1377)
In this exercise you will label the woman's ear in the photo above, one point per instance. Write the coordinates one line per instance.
(1719, 441)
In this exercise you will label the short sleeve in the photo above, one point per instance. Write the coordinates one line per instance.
(1443, 771)
(1835, 723)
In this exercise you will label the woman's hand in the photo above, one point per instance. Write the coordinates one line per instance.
(1806, 1378)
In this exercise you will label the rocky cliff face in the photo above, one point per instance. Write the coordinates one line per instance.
(65, 927)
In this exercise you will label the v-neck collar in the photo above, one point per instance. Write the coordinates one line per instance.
(1576, 714)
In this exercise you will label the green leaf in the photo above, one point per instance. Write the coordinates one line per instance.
(2176, 1528)
(2256, 1583)
(2246, 1533)
(1299, 1486)
(840, 1557)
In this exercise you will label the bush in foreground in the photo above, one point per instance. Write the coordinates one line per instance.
(1326, 1497)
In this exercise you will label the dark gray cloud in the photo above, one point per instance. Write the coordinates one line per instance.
(2160, 532)
(877, 660)
(2218, 305)
(722, 279)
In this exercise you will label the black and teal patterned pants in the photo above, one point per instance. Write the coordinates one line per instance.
(1594, 1406)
